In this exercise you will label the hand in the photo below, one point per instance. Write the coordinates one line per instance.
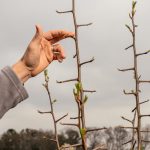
(39, 53)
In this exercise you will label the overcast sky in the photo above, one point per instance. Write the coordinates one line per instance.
(105, 40)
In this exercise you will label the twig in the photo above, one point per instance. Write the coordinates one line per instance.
(63, 12)
(61, 118)
(87, 62)
(143, 53)
(97, 129)
(144, 81)
(140, 104)
(89, 91)
(129, 28)
(127, 142)
(126, 119)
(129, 47)
(144, 116)
(42, 112)
(69, 124)
(133, 145)
(75, 117)
(129, 93)
(128, 69)
(83, 25)
(70, 80)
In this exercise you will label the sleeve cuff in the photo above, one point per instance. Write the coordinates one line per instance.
(15, 81)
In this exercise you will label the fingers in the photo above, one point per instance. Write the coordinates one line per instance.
(58, 52)
(57, 35)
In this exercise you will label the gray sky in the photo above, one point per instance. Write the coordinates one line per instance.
(105, 40)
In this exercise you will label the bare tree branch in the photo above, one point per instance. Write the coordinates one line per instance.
(97, 129)
(61, 118)
(129, 28)
(127, 142)
(89, 91)
(126, 119)
(87, 62)
(63, 12)
(70, 80)
(75, 117)
(133, 145)
(140, 104)
(83, 25)
(128, 69)
(129, 93)
(143, 53)
(144, 81)
(42, 112)
(129, 47)
(69, 124)
(144, 116)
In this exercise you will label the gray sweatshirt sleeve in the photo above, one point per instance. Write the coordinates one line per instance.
(12, 91)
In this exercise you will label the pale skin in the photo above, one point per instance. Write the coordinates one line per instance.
(41, 51)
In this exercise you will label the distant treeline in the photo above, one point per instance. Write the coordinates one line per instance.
(31, 139)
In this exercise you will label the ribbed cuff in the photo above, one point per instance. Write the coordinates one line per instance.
(16, 82)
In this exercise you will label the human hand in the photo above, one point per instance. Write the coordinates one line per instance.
(39, 53)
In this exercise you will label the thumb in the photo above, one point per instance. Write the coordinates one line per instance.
(39, 33)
